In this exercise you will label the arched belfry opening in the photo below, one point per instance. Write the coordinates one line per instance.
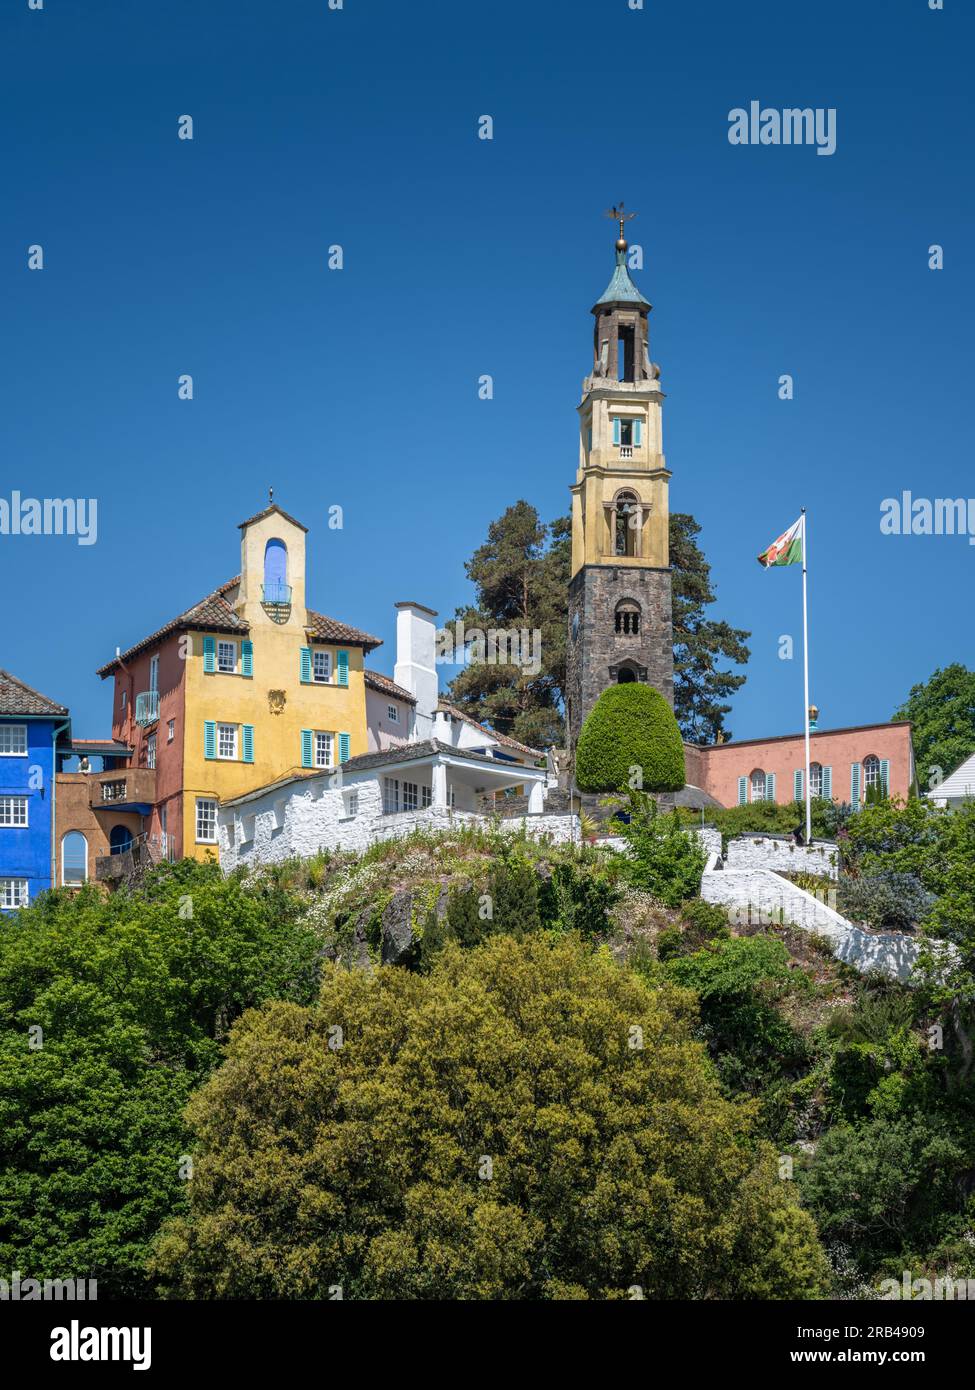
(276, 591)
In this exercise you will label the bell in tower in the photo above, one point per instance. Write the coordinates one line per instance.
(620, 626)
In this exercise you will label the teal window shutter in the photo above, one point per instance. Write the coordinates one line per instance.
(306, 740)
(770, 786)
(247, 658)
(343, 748)
(342, 668)
(306, 665)
(209, 653)
(742, 791)
(248, 743)
(616, 431)
(209, 738)
(854, 785)
(638, 432)
(827, 784)
(885, 775)
(797, 792)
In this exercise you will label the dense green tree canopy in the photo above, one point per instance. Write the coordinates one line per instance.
(133, 996)
(521, 580)
(701, 690)
(942, 710)
(526, 1121)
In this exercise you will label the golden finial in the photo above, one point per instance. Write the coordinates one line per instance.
(618, 215)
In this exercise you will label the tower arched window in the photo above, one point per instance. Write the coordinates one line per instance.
(627, 617)
(815, 779)
(276, 588)
(626, 523)
(758, 784)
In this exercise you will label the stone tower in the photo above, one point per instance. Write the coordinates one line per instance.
(620, 626)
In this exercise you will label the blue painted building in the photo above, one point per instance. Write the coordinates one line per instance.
(32, 731)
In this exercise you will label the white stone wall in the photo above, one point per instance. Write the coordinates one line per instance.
(782, 855)
(304, 819)
(761, 896)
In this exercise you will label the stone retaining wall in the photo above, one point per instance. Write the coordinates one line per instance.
(783, 855)
(763, 897)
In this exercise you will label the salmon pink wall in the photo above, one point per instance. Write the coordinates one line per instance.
(134, 679)
(723, 764)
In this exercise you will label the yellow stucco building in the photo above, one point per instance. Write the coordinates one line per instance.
(246, 687)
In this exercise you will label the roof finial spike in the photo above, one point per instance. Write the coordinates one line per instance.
(618, 214)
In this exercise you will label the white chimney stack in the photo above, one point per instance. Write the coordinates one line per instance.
(416, 662)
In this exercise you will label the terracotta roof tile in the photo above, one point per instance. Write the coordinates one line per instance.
(377, 681)
(331, 630)
(213, 614)
(18, 698)
(268, 511)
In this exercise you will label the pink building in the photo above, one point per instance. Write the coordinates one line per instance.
(843, 764)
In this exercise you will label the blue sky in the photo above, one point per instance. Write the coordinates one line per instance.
(462, 257)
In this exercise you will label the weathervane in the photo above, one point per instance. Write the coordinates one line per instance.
(618, 215)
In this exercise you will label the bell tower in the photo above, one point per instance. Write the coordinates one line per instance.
(620, 626)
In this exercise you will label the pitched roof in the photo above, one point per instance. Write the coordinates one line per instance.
(331, 630)
(621, 289)
(211, 614)
(444, 706)
(18, 698)
(270, 511)
(427, 748)
(377, 681)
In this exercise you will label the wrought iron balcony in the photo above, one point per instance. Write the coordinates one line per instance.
(147, 707)
(276, 594)
(276, 601)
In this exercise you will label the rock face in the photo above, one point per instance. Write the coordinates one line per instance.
(397, 930)
(399, 941)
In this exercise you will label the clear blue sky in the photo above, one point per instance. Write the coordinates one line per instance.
(464, 257)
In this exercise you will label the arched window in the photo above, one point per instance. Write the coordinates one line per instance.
(625, 517)
(815, 779)
(276, 572)
(120, 839)
(758, 784)
(628, 617)
(625, 675)
(74, 859)
(871, 771)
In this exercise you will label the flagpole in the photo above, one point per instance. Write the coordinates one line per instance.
(805, 664)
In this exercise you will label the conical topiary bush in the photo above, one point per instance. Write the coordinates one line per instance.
(630, 726)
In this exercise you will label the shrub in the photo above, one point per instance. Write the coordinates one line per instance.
(630, 726)
(882, 1184)
(610, 1165)
(664, 860)
(894, 901)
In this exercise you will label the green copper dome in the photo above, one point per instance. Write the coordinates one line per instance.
(621, 289)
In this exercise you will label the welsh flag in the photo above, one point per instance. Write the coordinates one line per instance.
(787, 550)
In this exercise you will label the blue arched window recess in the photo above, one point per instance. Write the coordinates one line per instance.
(74, 859)
(120, 839)
(276, 587)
